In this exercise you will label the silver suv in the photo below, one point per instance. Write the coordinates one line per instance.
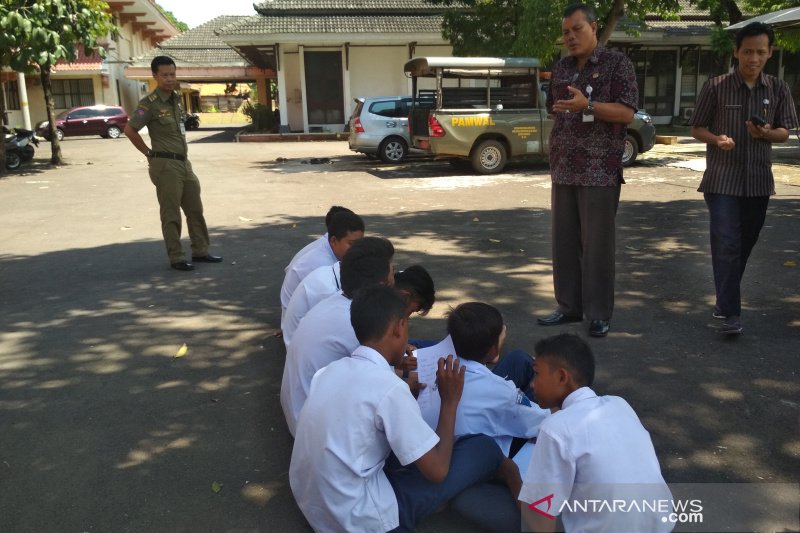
(379, 127)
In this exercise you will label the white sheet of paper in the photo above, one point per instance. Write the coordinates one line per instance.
(523, 457)
(427, 364)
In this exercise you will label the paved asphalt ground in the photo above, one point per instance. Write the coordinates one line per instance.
(102, 429)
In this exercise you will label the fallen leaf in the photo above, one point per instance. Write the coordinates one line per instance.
(476, 219)
(634, 248)
(790, 264)
(216, 487)
(124, 228)
(294, 226)
(493, 240)
(243, 219)
(182, 351)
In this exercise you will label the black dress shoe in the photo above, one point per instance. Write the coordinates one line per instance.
(182, 265)
(207, 259)
(599, 328)
(557, 318)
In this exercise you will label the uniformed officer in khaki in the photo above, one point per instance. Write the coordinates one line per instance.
(177, 187)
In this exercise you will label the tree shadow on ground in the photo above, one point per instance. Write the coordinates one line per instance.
(103, 428)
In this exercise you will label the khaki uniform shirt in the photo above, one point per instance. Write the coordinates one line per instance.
(163, 115)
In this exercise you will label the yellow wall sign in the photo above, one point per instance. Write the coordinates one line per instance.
(524, 131)
(472, 121)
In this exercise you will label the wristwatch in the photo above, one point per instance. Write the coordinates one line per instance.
(589, 109)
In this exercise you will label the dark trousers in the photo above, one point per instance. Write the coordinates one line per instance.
(735, 223)
(475, 459)
(584, 249)
(517, 367)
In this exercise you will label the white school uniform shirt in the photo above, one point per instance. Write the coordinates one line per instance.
(357, 411)
(595, 448)
(318, 253)
(324, 335)
(495, 407)
(314, 288)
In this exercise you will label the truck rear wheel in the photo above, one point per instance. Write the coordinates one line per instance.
(489, 157)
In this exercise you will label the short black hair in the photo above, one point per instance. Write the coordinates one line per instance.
(754, 29)
(570, 352)
(589, 11)
(419, 283)
(366, 262)
(374, 309)
(343, 223)
(332, 211)
(474, 328)
(161, 60)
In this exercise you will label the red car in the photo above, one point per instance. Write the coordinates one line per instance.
(105, 121)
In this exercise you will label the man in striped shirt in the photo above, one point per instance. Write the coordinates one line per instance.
(739, 116)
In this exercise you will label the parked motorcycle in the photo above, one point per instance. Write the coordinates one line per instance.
(19, 147)
(192, 121)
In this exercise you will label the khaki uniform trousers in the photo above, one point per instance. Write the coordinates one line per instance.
(177, 187)
(584, 249)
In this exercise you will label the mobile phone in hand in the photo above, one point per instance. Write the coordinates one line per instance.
(758, 121)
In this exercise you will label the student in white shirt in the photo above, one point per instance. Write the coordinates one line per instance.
(314, 288)
(414, 282)
(358, 411)
(320, 242)
(325, 333)
(344, 229)
(592, 448)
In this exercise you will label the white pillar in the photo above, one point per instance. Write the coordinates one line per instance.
(283, 103)
(304, 106)
(23, 101)
(348, 101)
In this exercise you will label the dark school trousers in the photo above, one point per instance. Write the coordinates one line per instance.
(584, 249)
(735, 223)
(475, 459)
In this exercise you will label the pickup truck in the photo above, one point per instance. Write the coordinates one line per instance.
(481, 112)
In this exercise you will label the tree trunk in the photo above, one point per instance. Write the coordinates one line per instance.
(55, 146)
(2, 123)
(616, 12)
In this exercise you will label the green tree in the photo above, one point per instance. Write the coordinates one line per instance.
(42, 32)
(6, 49)
(532, 27)
(175, 22)
(788, 39)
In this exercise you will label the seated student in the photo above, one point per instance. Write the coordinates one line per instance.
(414, 281)
(358, 411)
(314, 288)
(325, 333)
(593, 447)
(344, 229)
(490, 405)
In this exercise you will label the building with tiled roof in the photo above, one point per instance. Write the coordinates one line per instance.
(325, 53)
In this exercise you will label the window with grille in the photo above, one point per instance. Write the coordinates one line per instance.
(72, 93)
(12, 95)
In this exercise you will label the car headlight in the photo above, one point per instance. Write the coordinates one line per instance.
(644, 117)
(43, 124)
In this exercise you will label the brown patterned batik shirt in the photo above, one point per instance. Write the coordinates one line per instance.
(590, 153)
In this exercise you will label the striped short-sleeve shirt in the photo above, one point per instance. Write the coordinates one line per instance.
(724, 104)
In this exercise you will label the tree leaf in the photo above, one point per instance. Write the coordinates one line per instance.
(183, 350)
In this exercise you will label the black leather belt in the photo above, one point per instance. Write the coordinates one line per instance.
(168, 155)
